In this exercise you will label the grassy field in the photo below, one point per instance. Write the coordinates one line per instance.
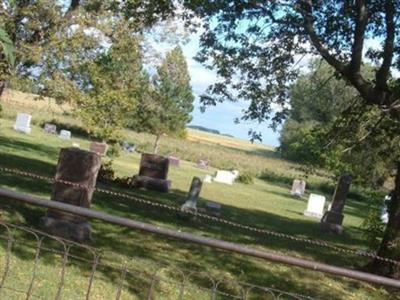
(263, 204)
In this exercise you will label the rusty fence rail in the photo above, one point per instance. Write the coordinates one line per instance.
(214, 243)
(53, 260)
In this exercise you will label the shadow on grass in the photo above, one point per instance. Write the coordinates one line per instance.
(128, 242)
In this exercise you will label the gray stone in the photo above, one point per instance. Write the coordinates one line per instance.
(191, 203)
(332, 220)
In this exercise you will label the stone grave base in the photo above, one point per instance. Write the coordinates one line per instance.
(312, 214)
(78, 232)
(331, 222)
(159, 185)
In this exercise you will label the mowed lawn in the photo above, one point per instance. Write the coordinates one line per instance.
(262, 204)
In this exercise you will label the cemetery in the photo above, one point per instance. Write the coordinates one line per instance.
(264, 204)
(199, 150)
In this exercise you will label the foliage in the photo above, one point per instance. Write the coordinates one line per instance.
(246, 178)
(166, 108)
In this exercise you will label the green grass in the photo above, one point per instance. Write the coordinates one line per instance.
(264, 204)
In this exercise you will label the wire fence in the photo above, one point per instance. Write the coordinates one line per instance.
(36, 265)
(253, 229)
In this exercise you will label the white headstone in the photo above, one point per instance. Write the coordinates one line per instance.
(50, 128)
(65, 134)
(208, 179)
(76, 145)
(315, 206)
(227, 177)
(23, 123)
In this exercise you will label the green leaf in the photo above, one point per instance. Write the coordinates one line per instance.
(8, 47)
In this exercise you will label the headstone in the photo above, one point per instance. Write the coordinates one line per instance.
(298, 188)
(208, 179)
(174, 161)
(80, 168)
(213, 208)
(99, 148)
(76, 145)
(332, 220)
(23, 123)
(191, 203)
(385, 209)
(128, 147)
(227, 177)
(50, 128)
(202, 164)
(65, 134)
(315, 206)
(153, 173)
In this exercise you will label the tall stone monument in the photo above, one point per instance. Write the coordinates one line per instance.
(191, 203)
(333, 219)
(75, 182)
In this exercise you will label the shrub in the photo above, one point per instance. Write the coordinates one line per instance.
(106, 172)
(246, 178)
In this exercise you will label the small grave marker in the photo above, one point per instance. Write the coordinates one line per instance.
(202, 164)
(65, 134)
(174, 161)
(50, 128)
(23, 123)
(227, 177)
(99, 148)
(315, 206)
(298, 188)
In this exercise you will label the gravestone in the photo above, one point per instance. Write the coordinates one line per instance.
(202, 164)
(153, 173)
(99, 148)
(298, 188)
(50, 128)
(208, 179)
(65, 134)
(75, 182)
(23, 123)
(191, 203)
(315, 206)
(227, 177)
(128, 147)
(174, 161)
(385, 209)
(332, 220)
(214, 208)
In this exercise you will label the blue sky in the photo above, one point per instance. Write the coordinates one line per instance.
(220, 117)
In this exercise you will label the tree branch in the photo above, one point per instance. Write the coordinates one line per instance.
(306, 12)
(359, 36)
(383, 72)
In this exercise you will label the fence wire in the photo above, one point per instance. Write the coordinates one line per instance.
(313, 242)
(36, 265)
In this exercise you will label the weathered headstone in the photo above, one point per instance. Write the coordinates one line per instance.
(227, 177)
(298, 188)
(202, 164)
(333, 219)
(153, 173)
(174, 161)
(385, 209)
(191, 203)
(99, 148)
(213, 208)
(315, 206)
(23, 123)
(50, 128)
(65, 134)
(75, 182)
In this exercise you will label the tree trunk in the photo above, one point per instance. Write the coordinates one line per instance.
(390, 246)
(2, 87)
(157, 144)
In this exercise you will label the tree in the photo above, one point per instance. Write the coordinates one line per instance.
(112, 85)
(256, 47)
(169, 102)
